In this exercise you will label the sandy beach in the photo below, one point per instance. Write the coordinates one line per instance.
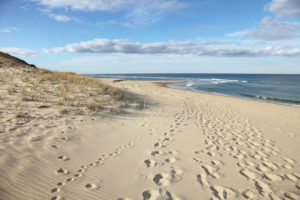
(150, 100)
(179, 145)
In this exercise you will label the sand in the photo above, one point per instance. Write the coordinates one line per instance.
(183, 145)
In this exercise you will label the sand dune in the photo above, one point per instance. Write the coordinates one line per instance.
(184, 145)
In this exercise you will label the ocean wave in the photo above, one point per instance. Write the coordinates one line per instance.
(274, 99)
(189, 83)
(206, 81)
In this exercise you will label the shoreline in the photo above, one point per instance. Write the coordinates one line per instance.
(165, 83)
(224, 95)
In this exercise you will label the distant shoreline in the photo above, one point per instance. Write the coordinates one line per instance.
(179, 82)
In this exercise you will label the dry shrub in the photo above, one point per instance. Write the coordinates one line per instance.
(115, 92)
(28, 96)
(11, 90)
(20, 114)
(64, 111)
(94, 106)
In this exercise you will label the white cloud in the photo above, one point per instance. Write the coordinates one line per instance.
(60, 18)
(284, 8)
(87, 5)
(270, 29)
(237, 34)
(128, 25)
(57, 17)
(10, 29)
(136, 11)
(148, 12)
(18, 52)
(109, 5)
(204, 48)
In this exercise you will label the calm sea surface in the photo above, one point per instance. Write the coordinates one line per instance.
(279, 88)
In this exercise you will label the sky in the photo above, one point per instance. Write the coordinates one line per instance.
(154, 36)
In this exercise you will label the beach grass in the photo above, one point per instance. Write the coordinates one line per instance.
(30, 87)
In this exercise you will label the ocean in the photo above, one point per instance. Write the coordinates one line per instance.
(275, 88)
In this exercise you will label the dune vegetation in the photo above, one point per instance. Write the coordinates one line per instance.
(25, 90)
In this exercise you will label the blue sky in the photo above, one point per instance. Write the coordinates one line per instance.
(154, 36)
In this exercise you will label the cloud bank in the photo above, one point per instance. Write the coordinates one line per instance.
(284, 8)
(206, 48)
(18, 52)
(111, 5)
(270, 29)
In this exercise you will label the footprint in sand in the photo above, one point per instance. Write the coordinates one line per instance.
(223, 192)
(55, 146)
(62, 171)
(292, 196)
(150, 163)
(54, 190)
(246, 163)
(291, 161)
(60, 184)
(216, 162)
(172, 152)
(150, 195)
(248, 194)
(56, 198)
(176, 173)
(77, 175)
(80, 170)
(291, 177)
(157, 153)
(248, 174)
(238, 155)
(90, 186)
(291, 135)
(101, 159)
(161, 179)
(93, 164)
(162, 194)
(64, 158)
(213, 154)
(287, 166)
(99, 163)
(272, 177)
(264, 189)
(210, 171)
(270, 165)
(212, 147)
(201, 178)
(167, 139)
(159, 144)
(70, 179)
(297, 175)
(171, 160)
(36, 139)
(262, 168)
